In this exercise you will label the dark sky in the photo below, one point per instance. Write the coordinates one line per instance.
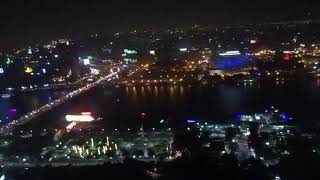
(25, 21)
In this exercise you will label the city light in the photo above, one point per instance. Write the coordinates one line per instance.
(253, 41)
(3, 177)
(86, 61)
(191, 121)
(71, 126)
(28, 70)
(230, 53)
(286, 57)
(8, 60)
(130, 51)
(157, 94)
(153, 53)
(79, 118)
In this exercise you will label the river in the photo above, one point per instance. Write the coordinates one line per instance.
(121, 107)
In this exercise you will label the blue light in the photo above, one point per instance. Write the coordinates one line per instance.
(284, 116)
(237, 116)
(3, 177)
(190, 121)
(231, 62)
(13, 110)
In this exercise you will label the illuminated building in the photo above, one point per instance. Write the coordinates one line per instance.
(231, 60)
(130, 51)
(153, 53)
(8, 60)
(183, 49)
(79, 118)
(28, 70)
(230, 53)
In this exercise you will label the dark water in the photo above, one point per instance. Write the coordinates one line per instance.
(121, 107)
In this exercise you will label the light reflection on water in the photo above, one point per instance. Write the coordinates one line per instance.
(318, 83)
(202, 102)
(155, 91)
(221, 101)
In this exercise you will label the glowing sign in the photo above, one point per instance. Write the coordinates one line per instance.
(28, 70)
(132, 60)
(12, 110)
(79, 118)
(8, 60)
(143, 115)
(1, 71)
(253, 41)
(94, 71)
(71, 126)
(114, 70)
(183, 49)
(86, 113)
(130, 51)
(286, 57)
(191, 121)
(232, 61)
(86, 61)
(230, 53)
(153, 53)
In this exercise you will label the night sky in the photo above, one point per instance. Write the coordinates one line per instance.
(27, 21)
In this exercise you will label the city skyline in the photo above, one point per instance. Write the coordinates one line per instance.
(37, 21)
(159, 89)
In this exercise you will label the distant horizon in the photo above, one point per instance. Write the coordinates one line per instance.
(24, 21)
(77, 36)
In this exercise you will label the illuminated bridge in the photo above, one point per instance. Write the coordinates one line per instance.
(11, 126)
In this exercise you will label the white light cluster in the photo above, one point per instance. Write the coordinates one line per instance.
(79, 118)
(230, 53)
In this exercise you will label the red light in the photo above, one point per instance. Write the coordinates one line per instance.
(86, 113)
(286, 57)
(143, 115)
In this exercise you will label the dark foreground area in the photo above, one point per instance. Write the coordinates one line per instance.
(226, 167)
(196, 162)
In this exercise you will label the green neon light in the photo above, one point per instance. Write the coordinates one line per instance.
(8, 60)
